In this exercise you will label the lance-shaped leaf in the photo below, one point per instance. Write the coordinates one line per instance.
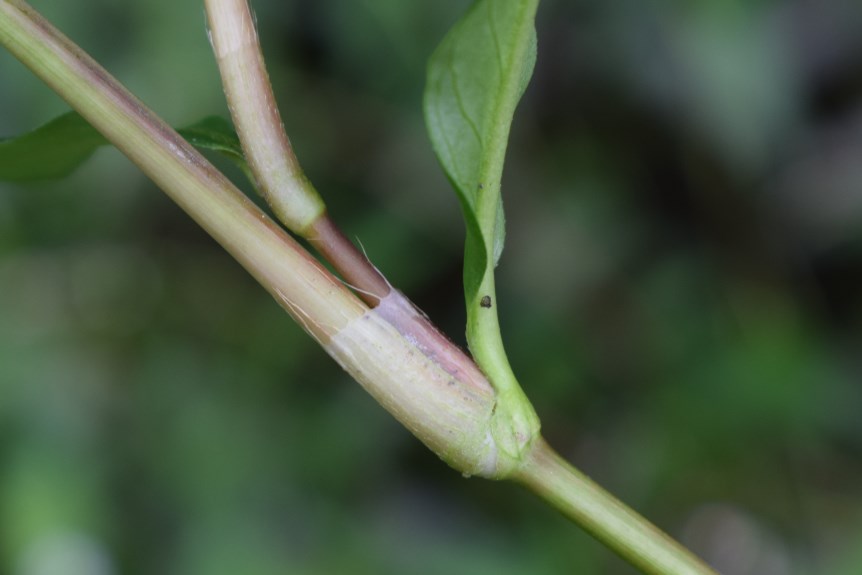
(57, 148)
(476, 78)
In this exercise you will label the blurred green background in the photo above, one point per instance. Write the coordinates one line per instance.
(681, 296)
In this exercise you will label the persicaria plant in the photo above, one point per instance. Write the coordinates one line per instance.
(469, 410)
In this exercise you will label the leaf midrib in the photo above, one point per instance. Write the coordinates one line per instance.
(504, 104)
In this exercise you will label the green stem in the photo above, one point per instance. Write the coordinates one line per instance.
(603, 516)
(516, 417)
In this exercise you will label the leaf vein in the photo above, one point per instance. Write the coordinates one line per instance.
(450, 65)
(492, 25)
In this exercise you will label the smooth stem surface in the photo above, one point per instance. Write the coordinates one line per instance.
(310, 293)
(603, 516)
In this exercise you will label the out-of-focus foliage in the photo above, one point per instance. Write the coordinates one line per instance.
(50, 151)
(681, 290)
(60, 146)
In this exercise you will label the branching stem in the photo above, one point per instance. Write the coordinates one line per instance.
(392, 350)
(277, 172)
(278, 262)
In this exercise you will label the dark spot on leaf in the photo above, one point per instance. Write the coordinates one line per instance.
(486, 301)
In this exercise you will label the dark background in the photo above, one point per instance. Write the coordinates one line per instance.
(681, 296)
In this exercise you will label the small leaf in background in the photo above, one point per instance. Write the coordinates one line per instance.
(475, 79)
(51, 151)
(57, 148)
(216, 134)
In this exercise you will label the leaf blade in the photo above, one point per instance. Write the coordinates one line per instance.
(216, 134)
(51, 151)
(57, 148)
(475, 79)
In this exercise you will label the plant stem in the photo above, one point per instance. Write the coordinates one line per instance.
(286, 270)
(345, 257)
(247, 88)
(269, 154)
(603, 516)
(441, 402)
(432, 388)
(271, 159)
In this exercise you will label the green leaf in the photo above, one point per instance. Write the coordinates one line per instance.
(57, 148)
(50, 151)
(215, 134)
(476, 78)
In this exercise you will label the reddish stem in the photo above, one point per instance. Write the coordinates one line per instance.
(348, 261)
